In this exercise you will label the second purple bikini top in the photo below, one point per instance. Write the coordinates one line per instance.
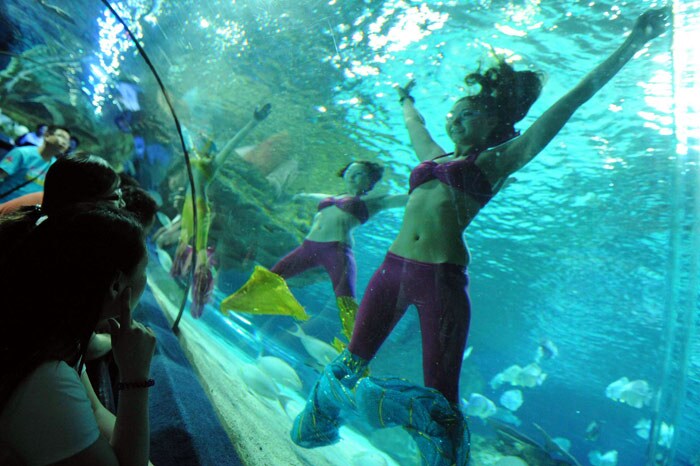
(352, 205)
(462, 174)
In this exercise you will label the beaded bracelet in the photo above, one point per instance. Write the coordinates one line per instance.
(404, 97)
(129, 385)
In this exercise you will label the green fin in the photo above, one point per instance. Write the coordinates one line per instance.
(264, 293)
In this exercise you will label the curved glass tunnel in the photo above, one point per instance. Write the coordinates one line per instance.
(583, 268)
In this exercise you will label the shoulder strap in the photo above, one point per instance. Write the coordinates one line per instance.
(22, 185)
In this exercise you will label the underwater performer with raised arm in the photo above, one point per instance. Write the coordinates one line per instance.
(328, 245)
(204, 170)
(427, 264)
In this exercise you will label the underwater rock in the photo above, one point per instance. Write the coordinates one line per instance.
(598, 459)
(512, 399)
(280, 371)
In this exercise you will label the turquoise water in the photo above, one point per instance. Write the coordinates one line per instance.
(590, 247)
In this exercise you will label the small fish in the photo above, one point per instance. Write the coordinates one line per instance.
(599, 459)
(57, 11)
(666, 431)
(479, 406)
(164, 259)
(163, 219)
(593, 431)
(467, 353)
(509, 375)
(531, 376)
(546, 350)
(368, 458)
(512, 399)
(258, 382)
(320, 351)
(507, 417)
(563, 443)
(280, 371)
(635, 393)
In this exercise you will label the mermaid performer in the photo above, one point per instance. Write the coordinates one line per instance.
(204, 169)
(426, 264)
(328, 244)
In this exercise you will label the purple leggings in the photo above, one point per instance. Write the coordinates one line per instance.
(439, 292)
(335, 257)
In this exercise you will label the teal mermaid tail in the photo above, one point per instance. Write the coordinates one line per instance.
(317, 425)
(438, 428)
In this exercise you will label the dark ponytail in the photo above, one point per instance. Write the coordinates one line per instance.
(507, 93)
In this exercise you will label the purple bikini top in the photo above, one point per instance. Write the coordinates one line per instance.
(352, 205)
(462, 174)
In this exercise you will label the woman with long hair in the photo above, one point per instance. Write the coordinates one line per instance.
(59, 276)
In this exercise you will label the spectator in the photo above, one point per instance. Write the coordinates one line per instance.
(75, 178)
(23, 169)
(90, 261)
(34, 138)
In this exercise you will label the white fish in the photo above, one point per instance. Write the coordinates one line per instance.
(530, 376)
(564, 443)
(666, 431)
(368, 458)
(479, 406)
(636, 393)
(280, 371)
(467, 353)
(598, 459)
(293, 407)
(163, 219)
(510, 460)
(164, 259)
(507, 416)
(666, 435)
(322, 352)
(614, 390)
(258, 382)
(643, 428)
(546, 350)
(512, 399)
(509, 375)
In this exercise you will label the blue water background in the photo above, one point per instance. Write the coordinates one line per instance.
(576, 250)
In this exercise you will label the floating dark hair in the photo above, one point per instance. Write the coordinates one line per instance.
(508, 93)
(376, 171)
